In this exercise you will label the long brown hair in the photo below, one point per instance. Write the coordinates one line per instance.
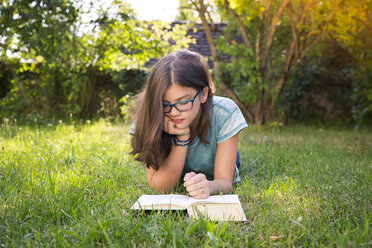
(150, 144)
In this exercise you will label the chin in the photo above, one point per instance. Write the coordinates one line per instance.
(181, 125)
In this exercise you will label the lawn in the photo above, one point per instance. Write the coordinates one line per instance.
(71, 185)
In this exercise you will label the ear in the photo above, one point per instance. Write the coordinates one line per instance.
(204, 95)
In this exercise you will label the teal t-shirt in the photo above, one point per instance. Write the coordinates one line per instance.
(226, 121)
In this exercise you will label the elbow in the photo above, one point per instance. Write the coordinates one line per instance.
(152, 186)
(158, 188)
(160, 184)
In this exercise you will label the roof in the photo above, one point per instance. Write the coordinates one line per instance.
(201, 43)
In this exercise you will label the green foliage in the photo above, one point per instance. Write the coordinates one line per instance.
(186, 12)
(266, 44)
(242, 72)
(59, 67)
(344, 58)
(72, 184)
(35, 28)
(130, 81)
(352, 29)
(321, 87)
(126, 108)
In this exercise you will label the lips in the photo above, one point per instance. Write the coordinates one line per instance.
(177, 120)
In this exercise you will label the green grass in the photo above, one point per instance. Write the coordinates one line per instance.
(72, 185)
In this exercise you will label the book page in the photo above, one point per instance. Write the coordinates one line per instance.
(222, 199)
(218, 211)
(171, 201)
(217, 208)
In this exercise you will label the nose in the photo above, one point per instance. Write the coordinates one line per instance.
(174, 111)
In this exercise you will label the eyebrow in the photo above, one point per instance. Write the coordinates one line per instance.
(180, 98)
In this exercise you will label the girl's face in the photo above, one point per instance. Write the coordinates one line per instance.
(177, 93)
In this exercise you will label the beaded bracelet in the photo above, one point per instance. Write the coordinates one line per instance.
(178, 142)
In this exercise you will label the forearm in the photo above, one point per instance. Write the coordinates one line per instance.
(220, 185)
(169, 173)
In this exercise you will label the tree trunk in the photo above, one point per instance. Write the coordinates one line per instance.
(247, 114)
(260, 110)
(202, 11)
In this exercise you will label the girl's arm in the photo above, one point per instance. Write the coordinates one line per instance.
(169, 173)
(224, 166)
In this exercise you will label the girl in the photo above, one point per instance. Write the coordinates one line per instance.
(184, 133)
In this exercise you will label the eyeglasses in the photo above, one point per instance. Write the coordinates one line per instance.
(181, 106)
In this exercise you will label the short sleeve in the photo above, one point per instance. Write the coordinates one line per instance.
(229, 118)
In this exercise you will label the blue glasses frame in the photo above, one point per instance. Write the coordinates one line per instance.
(171, 105)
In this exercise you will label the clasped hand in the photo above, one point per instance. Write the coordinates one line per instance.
(182, 133)
(197, 185)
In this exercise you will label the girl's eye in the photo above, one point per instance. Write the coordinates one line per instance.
(183, 103)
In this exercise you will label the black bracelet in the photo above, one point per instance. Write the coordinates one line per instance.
(178, 142)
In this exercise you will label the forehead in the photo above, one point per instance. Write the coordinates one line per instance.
(177, 92)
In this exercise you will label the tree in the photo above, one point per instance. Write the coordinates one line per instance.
(57, 66)
(185, 13)
(262, 62)
(33, 36)
(352, 29)
(29, 28)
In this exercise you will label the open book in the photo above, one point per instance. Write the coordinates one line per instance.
(216, 208)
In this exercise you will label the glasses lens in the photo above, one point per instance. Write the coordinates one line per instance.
(184, 106)
(166, 108)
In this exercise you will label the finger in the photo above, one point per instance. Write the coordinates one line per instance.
(202, 196)
(179, 131)
(188, 176)
(203, 185)
(194, 179)
(165, 125)
(170, 127)
(199, 194)
(190, 181)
